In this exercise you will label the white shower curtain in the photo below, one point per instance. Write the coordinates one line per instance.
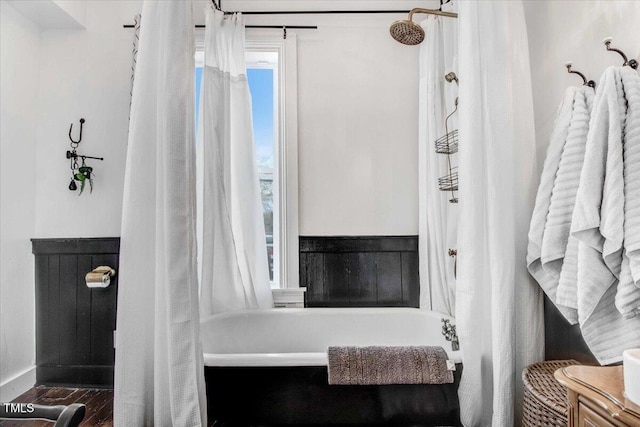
(498, 306)
(235, 271)
(438, 217)
(159, 371)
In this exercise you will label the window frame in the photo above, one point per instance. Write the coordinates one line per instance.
(286, 152)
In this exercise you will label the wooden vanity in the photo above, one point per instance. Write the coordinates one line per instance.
(596, 397)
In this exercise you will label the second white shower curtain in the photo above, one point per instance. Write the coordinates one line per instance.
(498, 306)
(438, 217)
(159, 368)
(234, 264)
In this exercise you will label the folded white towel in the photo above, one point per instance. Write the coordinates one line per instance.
(607, 333)
(605, 220)
(559, 249)
(565, 186)
(599, 209)
(628, 295)
(551, 220)
(547, 281)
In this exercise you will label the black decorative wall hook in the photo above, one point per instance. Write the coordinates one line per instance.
(80, 137)
(585, 82)
(630, 62)
(83, 172)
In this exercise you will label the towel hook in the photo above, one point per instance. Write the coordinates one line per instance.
(83, 172)
(79, 137)
(589, 83)
(631, 63)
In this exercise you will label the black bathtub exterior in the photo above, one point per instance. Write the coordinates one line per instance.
(301, 396)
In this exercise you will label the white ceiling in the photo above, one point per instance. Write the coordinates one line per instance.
(53, 14)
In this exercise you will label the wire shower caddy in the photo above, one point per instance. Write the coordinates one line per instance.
(448, 145)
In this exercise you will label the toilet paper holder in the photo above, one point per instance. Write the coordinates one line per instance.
(100, 277)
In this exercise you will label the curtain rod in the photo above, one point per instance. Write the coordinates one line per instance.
(314, 12)
(218, 6)
(300, 12)
(290, 27)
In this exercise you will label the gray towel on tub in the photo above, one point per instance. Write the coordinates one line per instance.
(350, 365)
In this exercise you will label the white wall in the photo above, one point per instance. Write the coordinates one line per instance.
(358, 120)
(20, 47)
(561, 31)
(357, 117)
(358, 130)
(84, 73)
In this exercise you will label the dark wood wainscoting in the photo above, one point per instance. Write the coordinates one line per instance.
(360, 271)
(74, 323)
(563, 340)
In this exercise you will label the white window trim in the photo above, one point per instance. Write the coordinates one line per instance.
(287, 150)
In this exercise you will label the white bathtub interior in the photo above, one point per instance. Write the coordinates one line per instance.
(301, 336)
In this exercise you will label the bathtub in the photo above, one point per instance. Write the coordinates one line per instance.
(270, 367)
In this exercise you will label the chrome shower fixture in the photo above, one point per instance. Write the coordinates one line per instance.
(451, 77)
(408, 32)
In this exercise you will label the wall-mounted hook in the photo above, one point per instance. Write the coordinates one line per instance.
(631, 63)
(81, 173)
(80, 136)
(284, 33)
(585, 82)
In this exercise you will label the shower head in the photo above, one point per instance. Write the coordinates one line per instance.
(408, 32)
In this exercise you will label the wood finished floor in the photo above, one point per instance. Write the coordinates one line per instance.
(99, 404)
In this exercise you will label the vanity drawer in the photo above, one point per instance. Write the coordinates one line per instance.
(587, 417)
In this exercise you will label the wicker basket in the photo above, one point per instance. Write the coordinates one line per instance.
(545, 399)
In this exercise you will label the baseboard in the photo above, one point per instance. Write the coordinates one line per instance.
(17, 385)
(84, 376)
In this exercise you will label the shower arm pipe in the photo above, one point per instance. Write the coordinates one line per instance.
(431, 12)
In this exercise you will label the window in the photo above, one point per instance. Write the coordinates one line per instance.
(274, 109)
(262, 72)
